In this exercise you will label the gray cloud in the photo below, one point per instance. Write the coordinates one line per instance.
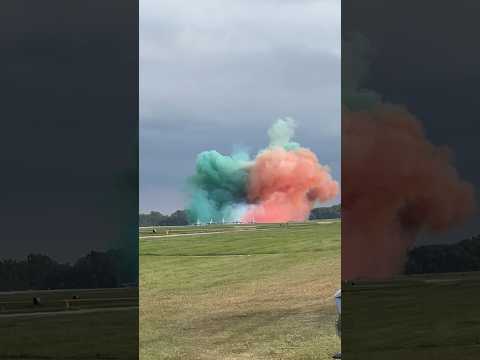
(216, 74)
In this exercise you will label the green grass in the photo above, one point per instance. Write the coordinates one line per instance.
(109, 335)
(57, 300)
(420, 317)
(263, 293)
(49, 331)
(172, 230)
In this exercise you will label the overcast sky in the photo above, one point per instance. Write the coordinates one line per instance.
(215, 74)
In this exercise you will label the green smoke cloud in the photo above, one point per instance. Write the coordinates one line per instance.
(357, 54)
(281, 132)
(218, 190)
(220, 182)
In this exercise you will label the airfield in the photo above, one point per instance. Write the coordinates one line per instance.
(69, 324)
(434, 316)
(226, 292)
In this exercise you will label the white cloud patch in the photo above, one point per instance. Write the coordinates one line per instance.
(216, 63)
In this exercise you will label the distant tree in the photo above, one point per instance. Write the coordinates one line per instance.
(39, 267)
(97, 269)
(154, 218)
(179, 217)
(459, 257)
(331, 212)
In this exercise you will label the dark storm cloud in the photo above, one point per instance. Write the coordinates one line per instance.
(217, 74)
(69, 90)
(427, 59)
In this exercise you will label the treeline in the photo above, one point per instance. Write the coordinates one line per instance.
(331, 212)
(155, 218)
(459, 257)
(95, 270)
(180, 217)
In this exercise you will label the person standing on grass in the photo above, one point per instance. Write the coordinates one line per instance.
(338, 304)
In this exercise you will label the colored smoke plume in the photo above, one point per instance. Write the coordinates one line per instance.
(285, 185)
(395, 183)
(281, 184)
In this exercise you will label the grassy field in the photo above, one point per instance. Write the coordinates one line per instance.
(431, 317)
(97, 324)
(244, 292)
(69, 299)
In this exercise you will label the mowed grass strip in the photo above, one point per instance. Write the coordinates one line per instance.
(241, 295)
(270, 240)
(178, 230)
(58, 300)
(419, 317)
(70, 335)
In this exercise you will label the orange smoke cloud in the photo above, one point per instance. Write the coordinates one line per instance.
(285, 184)
(395, 182)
